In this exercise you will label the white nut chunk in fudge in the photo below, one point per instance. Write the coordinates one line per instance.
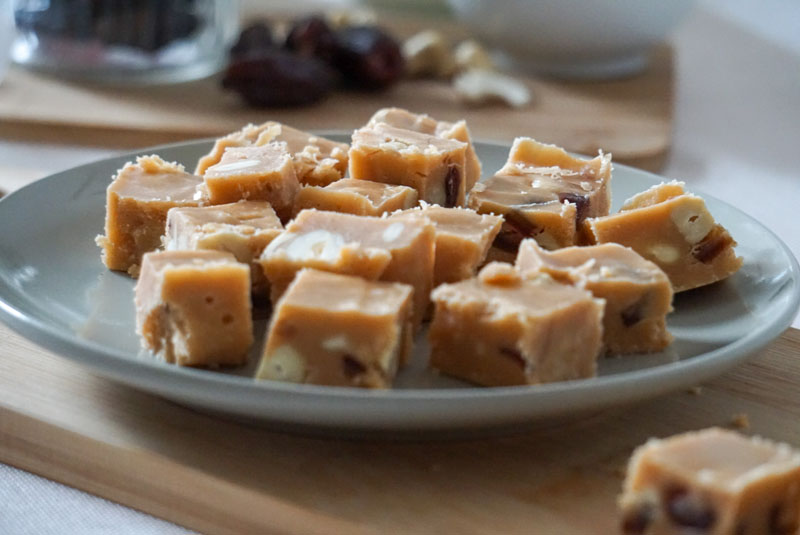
(434, 166)
(359, 197)
(370, 247)
(243, 228)
(637, 292)
(545, 194)
(317, 160)
(674, 230)
(713, 482)
(463, 238)
(193, 308)
(501, 329)
(262, 173)
(137, 201)
(331, 329)
(420, 122)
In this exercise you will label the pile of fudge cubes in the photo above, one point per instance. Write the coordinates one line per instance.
(525, 277)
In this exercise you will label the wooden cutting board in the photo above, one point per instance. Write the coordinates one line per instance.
(630, 118)
(220, 477)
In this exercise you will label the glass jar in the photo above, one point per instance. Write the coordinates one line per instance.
(125, 41)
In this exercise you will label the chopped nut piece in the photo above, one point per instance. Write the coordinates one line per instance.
(331, 329)
(427, 53)
(137, 201)
(740, 421)
(481, 86)
(359, 197)
(470, 54)
(193, 307)
(712, 481)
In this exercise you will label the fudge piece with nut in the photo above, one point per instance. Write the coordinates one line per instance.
(420, 122)
(674, 230)
(463, 238)
(137, 201)
(317, 160)
(244, 229)
(712, 481)
(331, 329)
(637, 292)
(193, 307)
(432, 165)
(502, 329)
(370, 247)
(359, 197)
(262, 173)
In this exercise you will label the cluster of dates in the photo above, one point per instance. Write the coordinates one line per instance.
(312, 61)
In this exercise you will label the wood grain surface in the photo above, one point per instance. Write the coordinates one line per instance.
(220, 477)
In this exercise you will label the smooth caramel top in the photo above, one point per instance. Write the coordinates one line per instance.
(722, 458)
(456, 221)
(259, 215)
(654, 195)
(153, 179)
(382, 136)
(158, 261)
(298, 142)
(527, 191)
(527, 153)
(263, 159)
(315, 289)
(376, 192)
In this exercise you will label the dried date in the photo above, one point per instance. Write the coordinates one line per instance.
(254, 39)
(313, 37)
(367, 57)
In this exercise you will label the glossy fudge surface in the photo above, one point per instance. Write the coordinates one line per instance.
(333, 329)
(193, 307)
(712, 481)
(637, 292)
(137, 201)
(501, 329)
(359, 197)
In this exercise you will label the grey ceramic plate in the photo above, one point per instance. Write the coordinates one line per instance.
(55, 291)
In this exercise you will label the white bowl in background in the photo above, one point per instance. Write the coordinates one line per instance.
(573, 38)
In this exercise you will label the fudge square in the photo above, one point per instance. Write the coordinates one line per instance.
(637, 292)
(420, 122)
(370, 247)
(317, 160)
(193, 307)
(463, 238)
(431, 165)
(674, 230)
(332, 329)
(359, 197)
(500, 329)
(712, 481)
(137, 201)
(263, 173)
(243, 228)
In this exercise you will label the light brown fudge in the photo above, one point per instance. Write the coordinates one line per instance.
(317, 160)
(262, 173)
(244, 229)
(637, 292)
(359, 197)
(501, 329)
(137, 201)
(463, 238)
(432, 165)
(370, 247)
(332, 329)
(714, 482)
(426, 124)
(674, 230)
(193, 307)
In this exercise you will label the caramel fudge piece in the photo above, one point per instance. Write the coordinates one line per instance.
(317, 160)
(420, 122)
(714, 482)
(431, 165)
(193, 307)
(263, 173)
(331, 329)
(370, 247)
(501, 329)
(674, 230)
(638, 294)
(244, 229)
(359, 197)
(463, 238)
(137, 202)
